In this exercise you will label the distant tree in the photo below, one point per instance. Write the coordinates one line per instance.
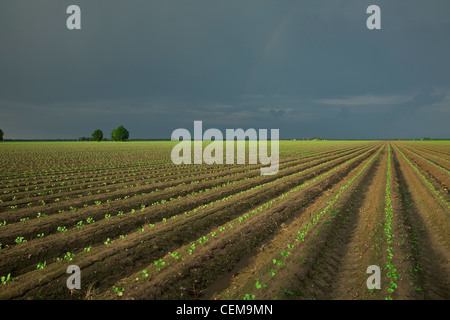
(427, 138)
(120, 134)
(97, 135)
(1, 135)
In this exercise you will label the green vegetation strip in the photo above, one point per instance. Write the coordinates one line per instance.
(302, 234)
(192, 246)
(392, 271)
(433, 189)
(430, 161)
(189, 194)
(111, 241)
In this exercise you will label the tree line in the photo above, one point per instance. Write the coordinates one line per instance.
(118, 134)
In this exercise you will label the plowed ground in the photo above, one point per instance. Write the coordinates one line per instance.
(140, 227)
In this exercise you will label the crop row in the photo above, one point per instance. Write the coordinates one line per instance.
(201, 187)
(105, 188)
(279, 262)
(164, 229)
(224, 233)
(430, 185)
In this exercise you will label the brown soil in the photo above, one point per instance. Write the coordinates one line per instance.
(220, 243)
(154, 244)
(20, 258)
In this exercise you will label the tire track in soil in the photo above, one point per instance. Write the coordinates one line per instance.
(428, 272)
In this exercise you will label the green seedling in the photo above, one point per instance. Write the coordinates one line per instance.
(259, 285)
(278, 263)
(175, 255)
(6, 279)
(41, 265)
(69, 256)
(79, 224)
(119, 291)
(90, 220)
(20, 240)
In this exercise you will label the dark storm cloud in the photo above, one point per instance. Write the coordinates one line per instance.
(421, 100)
(277, 113)
(305, 67)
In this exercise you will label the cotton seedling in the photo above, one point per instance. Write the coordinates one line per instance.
(6, 279)
(20, 240)
(69, 256)
(41, 265)
(119, 291)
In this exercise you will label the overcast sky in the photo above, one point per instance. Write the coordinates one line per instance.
(308, 68)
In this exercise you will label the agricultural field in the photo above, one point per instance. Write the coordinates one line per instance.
(140, 227)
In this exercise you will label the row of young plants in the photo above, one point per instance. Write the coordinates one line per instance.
(279, 262)
(177, 170)
(222, 231)
(429, 161)
(146, 183)
(155, 170)
(143, 206)
(155, 173)
(430, 185)
(410, 235)
(110, 241)
(107, 241)
(46, 174)
(435, 152)
(66, 198)
(98, 168)
(430, 154)
(192, 170)
(68, 191)
(389, 214)
(166, 170)
(142, 170)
